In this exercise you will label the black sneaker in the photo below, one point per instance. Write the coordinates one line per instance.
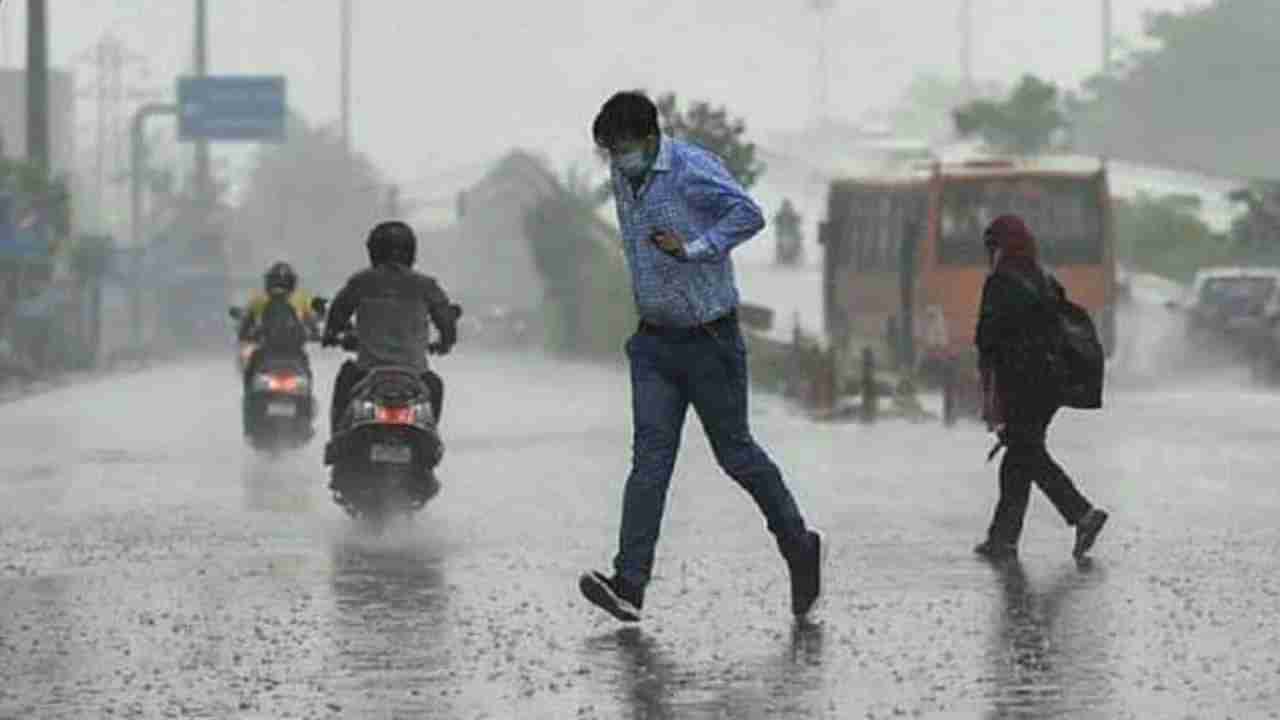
(996, 551)
(806, 575)
(614, 595)
(1087, 530)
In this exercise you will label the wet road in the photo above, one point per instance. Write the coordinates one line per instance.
(151, 566)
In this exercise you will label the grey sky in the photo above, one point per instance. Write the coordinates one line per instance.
(438, 84)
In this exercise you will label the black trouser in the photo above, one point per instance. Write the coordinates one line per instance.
(1026, 461)
(351, 374)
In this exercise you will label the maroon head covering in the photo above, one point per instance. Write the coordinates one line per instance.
(1013, 244)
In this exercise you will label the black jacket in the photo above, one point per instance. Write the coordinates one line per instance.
(394, 307)
(1015, 336)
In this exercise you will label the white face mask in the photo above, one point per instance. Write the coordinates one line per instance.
(633, 164)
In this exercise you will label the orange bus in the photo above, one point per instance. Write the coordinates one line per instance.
(904, 263)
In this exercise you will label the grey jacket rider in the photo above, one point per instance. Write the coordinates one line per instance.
(391, 304)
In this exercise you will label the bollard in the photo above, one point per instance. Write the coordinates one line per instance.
(949, 394)
(869, 399)
(823, 368)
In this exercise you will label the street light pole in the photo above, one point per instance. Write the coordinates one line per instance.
(138, 166)
(38, 86)
(137, 231)
(203, 180)
(346, 76)
(966, 48)
(1106, 37)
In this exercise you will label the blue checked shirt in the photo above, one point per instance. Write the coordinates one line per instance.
(688, 191)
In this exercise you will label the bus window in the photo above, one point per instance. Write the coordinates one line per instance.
(1063, 213)
(876, 223)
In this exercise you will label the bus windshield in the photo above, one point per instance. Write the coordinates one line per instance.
(1064, 214)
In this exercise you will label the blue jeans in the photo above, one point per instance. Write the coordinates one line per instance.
(708, 371)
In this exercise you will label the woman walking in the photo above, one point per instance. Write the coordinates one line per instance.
(1015, 337)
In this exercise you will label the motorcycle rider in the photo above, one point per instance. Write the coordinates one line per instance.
(394, 306)
(280, 283)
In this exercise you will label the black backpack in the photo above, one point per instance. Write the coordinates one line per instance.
(280, 327)
(1082, 358)
(1077, 358)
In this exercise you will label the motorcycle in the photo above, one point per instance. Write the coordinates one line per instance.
(386, 444)
(278, 407)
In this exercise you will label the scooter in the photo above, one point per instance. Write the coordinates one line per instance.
(386, 444)
(278, 407)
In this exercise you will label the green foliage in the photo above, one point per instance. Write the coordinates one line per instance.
(1198, 97)
(588, 306)
(713, 129)
(925, 108)
(91, 255)
(1259, 228)
(1026, 123)
(1164, 236)
(33, 187)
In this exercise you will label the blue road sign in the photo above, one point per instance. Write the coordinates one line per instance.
(232, 107)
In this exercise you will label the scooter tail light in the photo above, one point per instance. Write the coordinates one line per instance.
(403, 415)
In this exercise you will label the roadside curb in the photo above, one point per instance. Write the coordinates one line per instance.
(16, 389)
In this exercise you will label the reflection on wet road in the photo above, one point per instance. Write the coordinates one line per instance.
(151, 566)
(1046, 662)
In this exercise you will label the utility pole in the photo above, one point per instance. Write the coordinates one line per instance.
(103, 68)
(393, 202)
(346, 76)
(966, 48)
(821, 90)
(137, 213)
(110, 90)
(5, 38)
(1106, 37)
(138, 171)
(203, 181)
(38, 86)
(37, 133)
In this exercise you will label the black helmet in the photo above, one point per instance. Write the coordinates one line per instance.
(280, 277)
(392, 241)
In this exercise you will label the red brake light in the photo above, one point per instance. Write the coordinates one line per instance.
(283, 383)
(395, 415)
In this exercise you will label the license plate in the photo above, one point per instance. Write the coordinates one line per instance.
(281, 409)
(398, 454)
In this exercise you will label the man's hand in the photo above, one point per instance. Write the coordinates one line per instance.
(669, 242)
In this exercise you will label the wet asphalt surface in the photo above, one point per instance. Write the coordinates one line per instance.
(152, 566)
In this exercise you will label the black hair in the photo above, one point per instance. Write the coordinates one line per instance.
(628, 115)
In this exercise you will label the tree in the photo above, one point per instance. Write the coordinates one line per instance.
(924, 109)
(713, 129)
(1165, 236)
(34, 189)
(1030, 121)
(1259, 227)
(310, 202)
(1199, 98)
(588, 303)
